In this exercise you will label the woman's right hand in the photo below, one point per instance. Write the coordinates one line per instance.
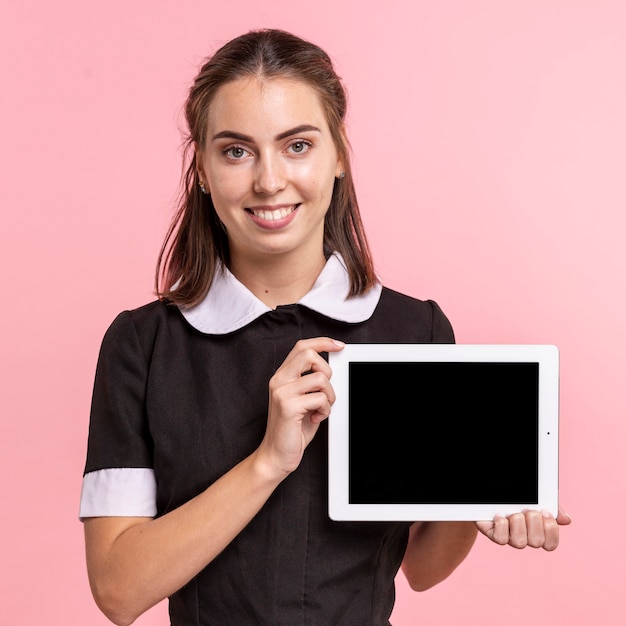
(300, 397)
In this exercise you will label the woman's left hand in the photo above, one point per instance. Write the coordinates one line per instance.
(537, 529)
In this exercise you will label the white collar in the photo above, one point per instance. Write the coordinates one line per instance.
(229, 305)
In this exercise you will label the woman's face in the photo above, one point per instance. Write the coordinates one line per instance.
(270, 165)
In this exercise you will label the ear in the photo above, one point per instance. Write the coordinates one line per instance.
(199, 159)
(341, 168)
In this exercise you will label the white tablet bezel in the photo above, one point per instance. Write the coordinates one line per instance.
(547, 356)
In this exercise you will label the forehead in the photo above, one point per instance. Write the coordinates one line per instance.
(255, 105)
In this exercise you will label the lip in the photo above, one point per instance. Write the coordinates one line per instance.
(272, 217)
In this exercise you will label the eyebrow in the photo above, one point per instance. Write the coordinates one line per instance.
(302, 128)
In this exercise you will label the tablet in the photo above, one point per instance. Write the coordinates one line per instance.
(443, 431)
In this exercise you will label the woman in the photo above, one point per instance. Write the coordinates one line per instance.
(205, 477)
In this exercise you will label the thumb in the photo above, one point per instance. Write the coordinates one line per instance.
(563, 519)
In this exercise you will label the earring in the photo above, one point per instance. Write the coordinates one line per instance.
(202, 187)
(342, 174)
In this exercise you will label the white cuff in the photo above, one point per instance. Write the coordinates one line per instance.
(123, 492)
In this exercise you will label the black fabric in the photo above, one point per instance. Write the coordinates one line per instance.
(192, 406)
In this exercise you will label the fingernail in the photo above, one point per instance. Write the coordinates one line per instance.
(341, 344)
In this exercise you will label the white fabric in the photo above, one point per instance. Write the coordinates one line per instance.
(230, 305)
(126, 491)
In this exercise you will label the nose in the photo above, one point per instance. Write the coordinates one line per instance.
(269, 175)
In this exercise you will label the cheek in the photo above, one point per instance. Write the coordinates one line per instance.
(227, 188)
(316, 181)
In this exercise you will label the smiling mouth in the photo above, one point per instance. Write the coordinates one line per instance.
(274, 214)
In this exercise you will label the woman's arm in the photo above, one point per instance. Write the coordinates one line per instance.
(435, 550)
(133, 563)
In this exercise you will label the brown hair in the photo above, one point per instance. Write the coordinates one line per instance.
(196, 245)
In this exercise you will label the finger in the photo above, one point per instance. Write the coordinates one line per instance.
(298, 369)
(551, 531)
(535, 529)
(499, 532)
(317, 344)
(305, 357)
(324, 344)
(518, 537)
(315, 401)
(295, 397)
(486, 528)
(311, 394)
(314, 382)
(563, 518)
(319, 410)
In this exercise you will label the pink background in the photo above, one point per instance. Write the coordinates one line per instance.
(490, 154)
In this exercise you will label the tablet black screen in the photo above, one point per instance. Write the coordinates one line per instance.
(443, 433)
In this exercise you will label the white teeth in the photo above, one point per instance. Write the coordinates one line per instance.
(278, 214)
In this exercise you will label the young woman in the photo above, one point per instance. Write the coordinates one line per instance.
(205, 478)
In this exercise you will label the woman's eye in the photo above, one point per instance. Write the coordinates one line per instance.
(298, 147)
(236, 152)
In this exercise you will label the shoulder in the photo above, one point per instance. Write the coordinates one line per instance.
(400, 299)
(139, 327)
(398, 309)
(149, 314)
(395, 304)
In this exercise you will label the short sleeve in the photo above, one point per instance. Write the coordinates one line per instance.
(441, 328)
(119, 476)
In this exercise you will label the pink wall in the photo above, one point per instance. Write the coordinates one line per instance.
(489, 140)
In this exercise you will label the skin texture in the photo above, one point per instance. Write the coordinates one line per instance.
(269, 150)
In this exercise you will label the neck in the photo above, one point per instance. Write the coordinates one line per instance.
(278, 279)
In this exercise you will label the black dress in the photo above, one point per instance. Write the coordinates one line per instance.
(175, 408)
